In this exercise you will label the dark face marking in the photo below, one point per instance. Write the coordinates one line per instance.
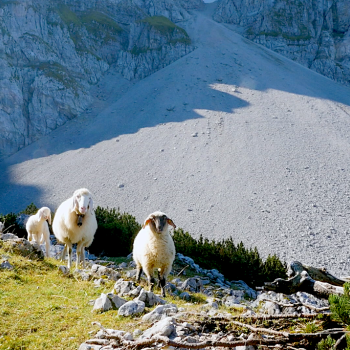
(159, 222)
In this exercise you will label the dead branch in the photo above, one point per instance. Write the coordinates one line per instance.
(182, 270)
(317, 274)
(304, 283)
(321, 309)
(260, 330)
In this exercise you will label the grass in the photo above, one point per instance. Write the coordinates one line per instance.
(42, 309)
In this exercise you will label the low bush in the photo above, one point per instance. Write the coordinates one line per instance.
(234, 261)
(116, 232)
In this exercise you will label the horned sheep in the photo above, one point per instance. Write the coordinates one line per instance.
(38, 228)
(75, 222)
(154, 248)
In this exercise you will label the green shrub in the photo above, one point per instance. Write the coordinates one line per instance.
(115, 233)
(326, 344)
(234, 261)
(340, 306)
(11, 225)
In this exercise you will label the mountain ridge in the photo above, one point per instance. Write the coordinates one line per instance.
(230, 140)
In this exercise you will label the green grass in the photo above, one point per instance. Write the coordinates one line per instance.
(42, 309)
(163, 25)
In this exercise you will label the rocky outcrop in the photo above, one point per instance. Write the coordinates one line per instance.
(51, 52)
(313, 33)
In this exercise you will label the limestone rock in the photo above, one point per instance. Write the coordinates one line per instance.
(315, 34)
(160, 312)
(131, 308)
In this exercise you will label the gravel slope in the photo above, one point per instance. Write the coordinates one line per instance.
(231, 140)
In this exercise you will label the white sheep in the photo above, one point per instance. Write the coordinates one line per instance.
(75, 222)
(38, 229)
(154, 248)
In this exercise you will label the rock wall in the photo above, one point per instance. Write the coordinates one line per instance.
(51, 52)
(313, 33)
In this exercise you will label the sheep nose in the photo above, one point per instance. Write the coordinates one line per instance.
(83, 210)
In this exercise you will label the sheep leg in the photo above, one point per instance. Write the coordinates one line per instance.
(80, 249)
(69, 249)
(83, 255)
(151, 282)
(138, 273)
(64, 253)
(46, 238)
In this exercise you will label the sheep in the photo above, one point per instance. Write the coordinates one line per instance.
(38, 229)
(75, 222)
(154, 248)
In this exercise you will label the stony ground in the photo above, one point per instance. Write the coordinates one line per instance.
(231, 140)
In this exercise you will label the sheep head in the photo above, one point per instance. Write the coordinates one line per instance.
(82, 201)
(45, 214)
(158, 222)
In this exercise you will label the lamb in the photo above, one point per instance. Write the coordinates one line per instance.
(154, 248)
(75, 222)
(38, 229)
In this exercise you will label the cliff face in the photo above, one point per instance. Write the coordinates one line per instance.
(51, 52)
(313, 33)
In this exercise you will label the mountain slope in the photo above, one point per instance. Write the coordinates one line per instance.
(230, 140)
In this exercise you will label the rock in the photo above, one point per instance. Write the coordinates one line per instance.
(23, 247)
(102, 304)
(241, 285)
(149, 298)
(46, 78)
(102, 335)
(117, 301)
(83, 275)
(185, 296)
(234, 299)
(86, 346)
(164, 328)
(63, 269)
(193, 284)
(100, 271)
(320, 44)
(131, 308)
(160, 312)
(122, 287)
(6, 265)
(8, 236)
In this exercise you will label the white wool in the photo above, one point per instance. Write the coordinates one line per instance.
(153, 250)
(38, 228)
(65, 224)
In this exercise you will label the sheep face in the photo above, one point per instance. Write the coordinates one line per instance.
(82, 201)
(159, 222)
(45, 214)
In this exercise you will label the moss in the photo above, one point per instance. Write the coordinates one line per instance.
(163, 25)
(59, 73)
(67, 15)
(92, 17)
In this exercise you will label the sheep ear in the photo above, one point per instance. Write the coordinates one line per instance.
(146, 223)
(49, 219)
(91, 205)
(170, 222)
(75, 203)
(41, 214)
